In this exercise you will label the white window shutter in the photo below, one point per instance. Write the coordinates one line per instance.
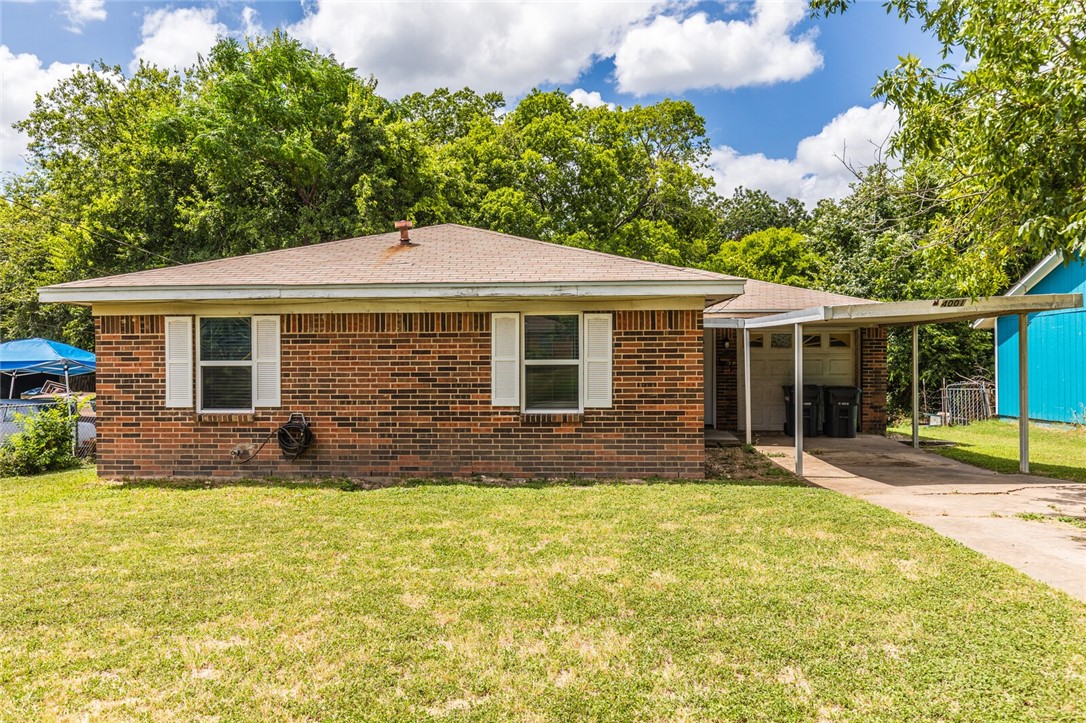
(597, 362)
(178, 361)
(505, 360)
(266, 361)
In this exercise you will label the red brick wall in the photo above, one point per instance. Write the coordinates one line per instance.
(727, 380)
(402, 395)
(873, 380)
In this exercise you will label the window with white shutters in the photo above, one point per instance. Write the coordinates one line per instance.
(551, 363)
(237, 363)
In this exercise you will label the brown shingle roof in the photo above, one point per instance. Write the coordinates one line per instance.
(445, 254)
(765, 297)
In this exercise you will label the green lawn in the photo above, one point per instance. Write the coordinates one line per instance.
(1058, 452)
(551, 602)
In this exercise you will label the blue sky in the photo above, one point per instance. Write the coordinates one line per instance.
(784, 97)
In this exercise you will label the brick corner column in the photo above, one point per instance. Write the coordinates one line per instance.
(727, 380)
(873, 380)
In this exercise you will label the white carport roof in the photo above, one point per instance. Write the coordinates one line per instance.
(897, 313)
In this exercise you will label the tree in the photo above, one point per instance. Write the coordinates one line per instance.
(1005, 125)
(446, 116)
(750, 210)
(779, 255)
(875, 246)
(625, 181)
(291, 148)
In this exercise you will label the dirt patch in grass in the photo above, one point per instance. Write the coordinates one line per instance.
(743, 463)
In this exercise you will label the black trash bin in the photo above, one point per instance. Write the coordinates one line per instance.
(812, 410)
(842, 410)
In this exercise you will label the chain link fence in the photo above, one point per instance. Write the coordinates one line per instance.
(965, 402)
(84, 434)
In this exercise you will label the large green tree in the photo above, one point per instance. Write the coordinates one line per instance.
(780, 255)
(875, 245)
(1003, 120)
(748, 211)
(627, 181)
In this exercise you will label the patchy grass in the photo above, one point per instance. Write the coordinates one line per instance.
(721, 601)
(1058, 452)
(1038, 517)
(744, 463)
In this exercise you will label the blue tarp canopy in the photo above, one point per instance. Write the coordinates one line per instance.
(44, 356)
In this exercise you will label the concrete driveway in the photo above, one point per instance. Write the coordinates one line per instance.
(971, 505)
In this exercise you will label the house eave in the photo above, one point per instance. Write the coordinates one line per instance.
(713, 291)
(1033, 277)
(927, 311)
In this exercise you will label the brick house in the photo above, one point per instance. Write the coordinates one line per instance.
(455, 351)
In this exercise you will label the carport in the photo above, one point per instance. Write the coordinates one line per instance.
(899, 313)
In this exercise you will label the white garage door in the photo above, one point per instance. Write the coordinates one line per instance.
(829, 359)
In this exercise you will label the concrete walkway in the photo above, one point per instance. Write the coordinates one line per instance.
(971, 505)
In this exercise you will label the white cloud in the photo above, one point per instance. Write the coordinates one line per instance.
(175, 38)
(81, 12)
(251, 27)
(506, 46)
(22, 77)
(670, 55)
(593, 99)
(817, 171)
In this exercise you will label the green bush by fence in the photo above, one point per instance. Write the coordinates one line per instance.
(43, 443)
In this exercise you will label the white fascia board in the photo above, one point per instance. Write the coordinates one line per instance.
(927, 311)
(1027, 282)
(788, 318)
(723, 322)
(1038, 272)
(90, 295)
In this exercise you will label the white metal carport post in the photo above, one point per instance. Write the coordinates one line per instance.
(1023, 393)
(797, 426)
(916, 386)
(746, 382)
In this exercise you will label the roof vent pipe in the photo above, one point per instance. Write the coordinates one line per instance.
(404, 227)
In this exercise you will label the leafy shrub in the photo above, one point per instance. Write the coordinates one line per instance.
(43, 443)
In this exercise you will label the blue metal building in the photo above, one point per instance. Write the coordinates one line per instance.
(1057, 347)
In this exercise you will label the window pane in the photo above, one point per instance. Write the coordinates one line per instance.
(227, 387)
(814, 340)
(551, 337)
(780, 341)
(226, 340)
(840, 341)
(756, 341)
(551, 387)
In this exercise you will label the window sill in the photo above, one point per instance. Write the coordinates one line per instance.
(225, 417)
(572, 415)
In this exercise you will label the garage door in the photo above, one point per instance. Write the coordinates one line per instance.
(829, 358)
